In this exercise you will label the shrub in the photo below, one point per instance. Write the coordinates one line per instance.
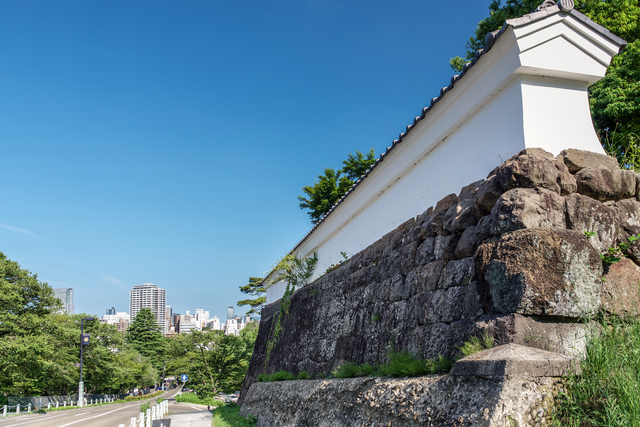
(347, 370)
(143, 396)
(282, 376)
(303, 375)
(145, 406)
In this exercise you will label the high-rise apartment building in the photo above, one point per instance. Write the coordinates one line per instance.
(169, 314)
(152, 297)
(111, 311)
(214, 323)
(66, 296)
(202, 317)
(230, 312)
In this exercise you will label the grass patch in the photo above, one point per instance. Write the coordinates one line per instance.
(607, 392)
(229, 416)
(401, 364)
(475, 344)
(194, 398)
(282, 376)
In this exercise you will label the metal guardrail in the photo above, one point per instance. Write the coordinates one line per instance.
(18, 408)
(155, 412)
(44, 401)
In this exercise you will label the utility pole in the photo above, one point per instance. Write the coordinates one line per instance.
(84, 340)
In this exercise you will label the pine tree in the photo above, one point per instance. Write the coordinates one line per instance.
(145, 336)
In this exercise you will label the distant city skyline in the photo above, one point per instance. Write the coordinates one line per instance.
(170, 313)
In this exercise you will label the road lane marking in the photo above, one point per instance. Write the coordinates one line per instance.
(84, 413)
(98, 416)
(34, 421)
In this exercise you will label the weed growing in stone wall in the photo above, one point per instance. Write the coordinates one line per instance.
(285, 303)
(401, 364)
(607, 392)
(282, 376)
(335, 266)
(475, 344)
(296, 273)
(616, 253)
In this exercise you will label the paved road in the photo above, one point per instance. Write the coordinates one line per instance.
(98, 416)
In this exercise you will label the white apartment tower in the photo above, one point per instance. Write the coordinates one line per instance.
(202, 317)
(152, 297)
(65, 295)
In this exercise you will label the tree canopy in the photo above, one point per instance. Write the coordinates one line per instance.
(614, 100)
(332, 185)
(213, 361)
(256, 289)
(40, 347)
(145, 336)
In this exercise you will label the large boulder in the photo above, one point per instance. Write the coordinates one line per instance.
(590, 216)
(628, 220)
(460, 216)
(621, 289)
(576, 160)
(486, 196)
(547, 333)
(530, 170)
(540, 271)
(602, 183)
(527, 208)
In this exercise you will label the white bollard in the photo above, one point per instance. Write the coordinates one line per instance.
(18, 409)
(4, 411)
(57, 403)
(49, 405)
(64, 404)
(133, 422)
(148, 417)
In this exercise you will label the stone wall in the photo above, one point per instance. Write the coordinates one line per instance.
(436, 400)
(508, 255)
(505, 386)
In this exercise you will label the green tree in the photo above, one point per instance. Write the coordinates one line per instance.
(213, 361)
(40, 348)
(332, 185)
(27, 352)
(255, 289)
(145, 336)
(614, 100)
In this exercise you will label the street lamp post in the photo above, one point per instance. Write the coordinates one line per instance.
(163, 362)
(84, 340)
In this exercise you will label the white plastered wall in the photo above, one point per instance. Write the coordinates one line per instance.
(529, 90)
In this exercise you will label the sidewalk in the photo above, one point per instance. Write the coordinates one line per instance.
(201, 418)
(191, 419)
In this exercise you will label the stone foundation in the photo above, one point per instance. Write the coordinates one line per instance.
(507, 255)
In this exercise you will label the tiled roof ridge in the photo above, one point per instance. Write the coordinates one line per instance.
(547, 8)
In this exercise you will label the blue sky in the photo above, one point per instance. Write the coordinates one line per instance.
(166, 141)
